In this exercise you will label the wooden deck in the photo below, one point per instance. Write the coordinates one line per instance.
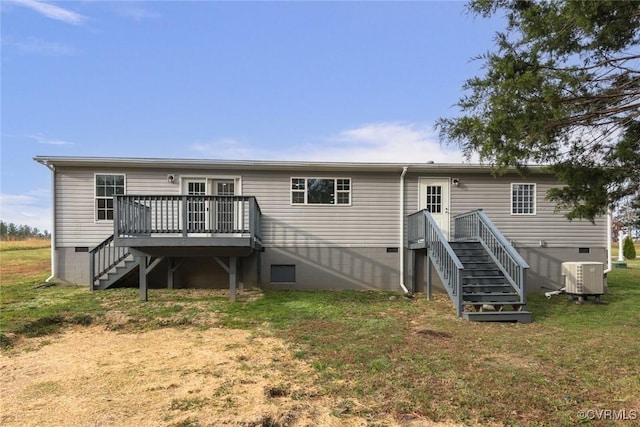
(155, 222)
(149, 228)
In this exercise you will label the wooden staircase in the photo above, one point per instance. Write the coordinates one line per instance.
(486, 294)
(117, 275)
(481, 271)
(109, 265)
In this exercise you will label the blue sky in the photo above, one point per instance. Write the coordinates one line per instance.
(337, 81)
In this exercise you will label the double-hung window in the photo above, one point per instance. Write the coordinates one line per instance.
(321, 191)
(523, 199)
(107, 186)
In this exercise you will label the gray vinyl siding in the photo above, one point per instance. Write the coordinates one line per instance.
(372, 219)
(493, 195)
(75, 206)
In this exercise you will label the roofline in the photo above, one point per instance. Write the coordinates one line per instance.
(148, 162)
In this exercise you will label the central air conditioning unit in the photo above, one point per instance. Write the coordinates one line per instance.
(583, 278)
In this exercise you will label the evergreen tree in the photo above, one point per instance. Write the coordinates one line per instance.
(628, 249)
(562, 89)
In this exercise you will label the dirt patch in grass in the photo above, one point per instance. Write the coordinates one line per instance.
(171, 377)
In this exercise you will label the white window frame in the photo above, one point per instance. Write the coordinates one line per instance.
(305, 191)
(533, 203)
(237, 179)
(96, 197)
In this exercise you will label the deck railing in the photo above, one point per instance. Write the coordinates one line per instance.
(424, 229)
(476, 226)
(103, 258)
(186, 215)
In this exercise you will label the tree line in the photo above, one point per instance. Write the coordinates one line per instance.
(12, 231)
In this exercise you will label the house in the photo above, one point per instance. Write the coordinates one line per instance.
(181, 223)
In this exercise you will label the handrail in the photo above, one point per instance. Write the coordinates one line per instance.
(476, 225)
(423, 228)
(104, 258)
(183, 215)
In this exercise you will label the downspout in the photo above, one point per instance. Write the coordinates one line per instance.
(401, 231)
(609, 236)
(52, 168)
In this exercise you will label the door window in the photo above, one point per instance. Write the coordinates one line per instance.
(433, 198)
(225, 207)
(196, 207)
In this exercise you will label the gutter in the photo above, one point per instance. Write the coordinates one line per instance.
(52, 168)
(401, 231)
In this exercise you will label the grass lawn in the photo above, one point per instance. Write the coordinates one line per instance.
(408, 358)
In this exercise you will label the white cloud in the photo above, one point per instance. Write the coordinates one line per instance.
(230, 149)
(375, 142)
(384, 142)
(27, 209)
(41, 47)
(136, 12)
(48, 141)
(52, 11)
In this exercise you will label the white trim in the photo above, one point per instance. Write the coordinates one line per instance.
(306, 190)
(535, 199)
(401, 230)
(95, 196)
(210, 178)
(280, 166)
(184, 184)
(53, 257)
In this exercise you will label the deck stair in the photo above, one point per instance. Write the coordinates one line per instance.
(109, 264)
(117, 274)
(486, 294)
(481, 271)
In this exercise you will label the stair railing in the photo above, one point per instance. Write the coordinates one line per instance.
(476, 226)
(103, 258)
(423, 228)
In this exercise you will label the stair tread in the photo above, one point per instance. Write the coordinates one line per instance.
(486, 294)
(485, 276)
(117, 273)
(497, 316)
(516, 301)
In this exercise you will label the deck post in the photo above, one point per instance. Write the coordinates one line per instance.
(170, 275)
(233, 269)
(259, 267)
(142, 262)
(428, 273)
(240, 275)
(185, 214)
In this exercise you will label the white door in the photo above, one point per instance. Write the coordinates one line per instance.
(434, 197)
(197, 218)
